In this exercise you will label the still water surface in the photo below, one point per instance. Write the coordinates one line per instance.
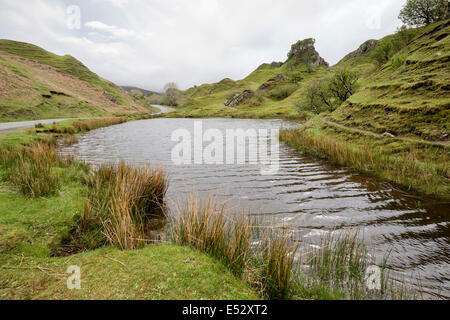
(311, 196)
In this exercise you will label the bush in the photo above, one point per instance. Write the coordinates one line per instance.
(398, 62)
(343, 84)
(383, 52)
(318, 97)
(387, 48)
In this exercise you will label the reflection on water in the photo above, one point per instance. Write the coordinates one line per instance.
(310, 196)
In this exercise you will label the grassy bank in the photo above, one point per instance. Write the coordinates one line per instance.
(32, 225)
(413, 165)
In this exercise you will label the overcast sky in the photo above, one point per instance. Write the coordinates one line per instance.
(147, 43)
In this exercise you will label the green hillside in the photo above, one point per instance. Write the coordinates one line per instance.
(409, 95)
(36, 83)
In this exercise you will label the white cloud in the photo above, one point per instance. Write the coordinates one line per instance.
(113, 31)
(150, 42)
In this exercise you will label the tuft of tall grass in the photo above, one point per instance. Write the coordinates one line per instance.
(209, 227)
(123, 206)
(339, 269)
(31, 169)
(278, 254)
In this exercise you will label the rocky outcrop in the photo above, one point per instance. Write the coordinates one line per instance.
(305, 52)
(273, 82)
(239, 98)
(366, 47)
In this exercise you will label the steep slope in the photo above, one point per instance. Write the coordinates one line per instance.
(410, 94)
(36, 84)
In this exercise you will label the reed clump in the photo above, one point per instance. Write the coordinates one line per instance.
(342, 267)
(278, 254)
(92, 124)
(32, 169)
(275, 265)
(123, 206)
(211, 228)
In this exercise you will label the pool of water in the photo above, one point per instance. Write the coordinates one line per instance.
(311, 196)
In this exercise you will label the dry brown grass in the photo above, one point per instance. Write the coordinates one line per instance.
(70, 140)
(31, 169)
(92, 124)
(210, 227)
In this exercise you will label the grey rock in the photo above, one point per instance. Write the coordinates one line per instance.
(239, 98)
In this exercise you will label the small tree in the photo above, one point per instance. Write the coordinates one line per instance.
(171, 94)
(318, 96)
(424, 12)
(342, 84)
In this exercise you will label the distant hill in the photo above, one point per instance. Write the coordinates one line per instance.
(145, 92)
(38, 84)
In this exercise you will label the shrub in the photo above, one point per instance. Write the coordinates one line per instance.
(342, 84)
(318, 97)
(383, 52)
(398, 62)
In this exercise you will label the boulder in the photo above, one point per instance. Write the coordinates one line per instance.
(366, 47)
(239, 98)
